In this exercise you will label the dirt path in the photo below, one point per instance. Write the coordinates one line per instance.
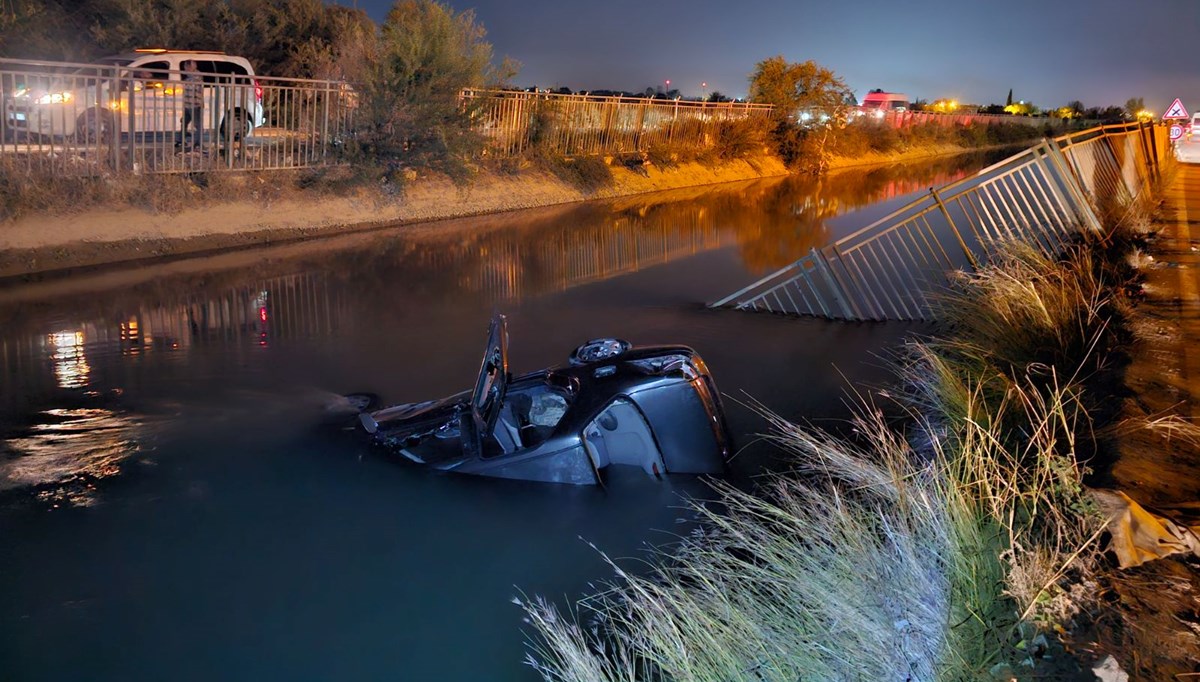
(1165, 372)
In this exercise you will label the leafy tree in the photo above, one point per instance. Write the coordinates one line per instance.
(426, 56)
(716, 96)
(1134, 106)
(1021, 109)
(791, 87)
(45, 29)
(1076, 108)
(301, 38)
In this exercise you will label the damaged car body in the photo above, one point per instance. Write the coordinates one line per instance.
(613, 404)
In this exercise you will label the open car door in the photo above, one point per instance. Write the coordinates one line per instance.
(490, 387)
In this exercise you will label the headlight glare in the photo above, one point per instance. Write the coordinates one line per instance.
(55, 98)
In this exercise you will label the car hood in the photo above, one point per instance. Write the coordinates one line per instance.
(427, 433)
(415, 416)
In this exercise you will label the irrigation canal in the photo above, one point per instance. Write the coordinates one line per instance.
(169, 509)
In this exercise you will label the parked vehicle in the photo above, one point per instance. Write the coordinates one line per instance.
(885, 101)
(139, 92)
(613, 404)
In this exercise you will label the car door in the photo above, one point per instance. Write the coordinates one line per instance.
(233, 94)
(153, 107)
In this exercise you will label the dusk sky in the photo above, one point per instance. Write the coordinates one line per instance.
(1048, 51)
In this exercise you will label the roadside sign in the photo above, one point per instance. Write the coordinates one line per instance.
(1176, 131)
(1176, 111)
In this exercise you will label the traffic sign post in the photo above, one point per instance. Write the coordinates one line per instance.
(1176, 112)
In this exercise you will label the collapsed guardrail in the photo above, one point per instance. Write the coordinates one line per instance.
(890, 269)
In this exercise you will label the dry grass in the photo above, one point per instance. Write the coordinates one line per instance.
(26, 191)
(836, 576)
(944, 549)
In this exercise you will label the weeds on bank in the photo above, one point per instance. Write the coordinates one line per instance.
(28, 191)
(944, 548)
(811, 148)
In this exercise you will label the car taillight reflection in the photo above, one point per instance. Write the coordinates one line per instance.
(258, 90)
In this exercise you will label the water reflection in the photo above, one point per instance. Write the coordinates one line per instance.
(66, 451)
(70, 363)
(172, 397)
(56, 332)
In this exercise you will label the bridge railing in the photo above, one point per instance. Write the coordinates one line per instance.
(894, 267)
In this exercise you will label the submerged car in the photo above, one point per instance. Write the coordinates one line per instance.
(613, 404)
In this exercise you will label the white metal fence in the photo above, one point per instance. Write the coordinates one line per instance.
(514, 121)
(891, 268)
(87, 119)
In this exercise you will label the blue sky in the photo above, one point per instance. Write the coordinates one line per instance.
(1049, 52)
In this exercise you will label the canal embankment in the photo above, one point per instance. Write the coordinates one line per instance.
(208, 215)
(261, 212)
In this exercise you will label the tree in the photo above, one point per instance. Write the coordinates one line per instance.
(791, 87)
(1076, 107)
(1008, 102)
(298, 38)
(1134, 107)
(427, 55)
(716, 96)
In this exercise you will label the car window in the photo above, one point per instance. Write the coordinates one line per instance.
(229, 68)
(153, 72)
(218, 71)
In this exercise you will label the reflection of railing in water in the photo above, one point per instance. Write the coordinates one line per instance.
(289, 306)
(509, 270)
(771, 222)
(1040, 196)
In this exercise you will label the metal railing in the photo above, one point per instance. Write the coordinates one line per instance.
(86, 119)
(904, 119)
(892, 268)
(514, 121)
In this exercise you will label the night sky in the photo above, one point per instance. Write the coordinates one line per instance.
(1049, 52)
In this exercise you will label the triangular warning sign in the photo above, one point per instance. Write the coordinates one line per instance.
(1176, 110)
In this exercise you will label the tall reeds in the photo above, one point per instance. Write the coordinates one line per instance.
(942, 546)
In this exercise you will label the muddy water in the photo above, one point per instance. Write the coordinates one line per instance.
(169, 508)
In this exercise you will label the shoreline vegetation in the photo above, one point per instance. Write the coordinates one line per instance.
(949, 534)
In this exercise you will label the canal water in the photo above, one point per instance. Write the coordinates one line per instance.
(171, 509)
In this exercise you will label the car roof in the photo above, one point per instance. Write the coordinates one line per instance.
(145, 54)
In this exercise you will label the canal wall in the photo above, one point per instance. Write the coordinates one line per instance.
(48, 242)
